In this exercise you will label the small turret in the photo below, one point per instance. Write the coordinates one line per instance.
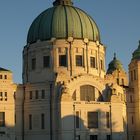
(136, 53)
(116, 70)
(115, 64)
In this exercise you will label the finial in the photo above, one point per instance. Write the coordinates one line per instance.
(114, 56)
(62, 2)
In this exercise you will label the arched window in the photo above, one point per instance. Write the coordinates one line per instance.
(87, 93)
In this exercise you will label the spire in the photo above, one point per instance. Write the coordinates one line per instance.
(114, 56)
(62, 2)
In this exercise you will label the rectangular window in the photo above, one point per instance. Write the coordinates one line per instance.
(92, 62)
(108, 137)
(79, 60)
(42, 121)
(2, 133)
(101, 64)
(0, 76)
(46, 61)
(1, 94)
(118, 81)
(5, 96)
(15, 119)
(133, 137)
(36, 94)
(33, 65)
(30, 122)
(93, 137)
(134, 74)
(132, 120)
(62, 60)
(77, 119)
(2, 119)
(78, 137)
(87, 93)
(31, 95)
(92, 119)
(107, 120)
(43, 94)
(5, 76)
(131, 75)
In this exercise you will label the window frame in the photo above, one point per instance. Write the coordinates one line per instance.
(46, 61)
(30, 122)
(2, 119)
(36, 94)
(92, 62)
(93, 120)
(77, 119)
(33, 63)
(30, 95)
(42, 121)
(79, 60)
(42, 94)
(87, 93)
(62, 60)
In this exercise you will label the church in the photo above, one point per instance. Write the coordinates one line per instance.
(67, 93)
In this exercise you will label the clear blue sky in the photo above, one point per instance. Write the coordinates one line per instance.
(118, 21)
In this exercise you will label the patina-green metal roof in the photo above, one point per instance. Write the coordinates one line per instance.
(115, 64)
(61, 21)
(136, 53)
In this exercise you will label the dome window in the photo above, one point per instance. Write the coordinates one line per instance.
(5, 76)
(79, 60)
(92, 62)
(0, 76)
(33, 63)
(46, 61)
(62, 60)
(101, 64)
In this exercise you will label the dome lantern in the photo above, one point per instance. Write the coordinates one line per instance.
(62, 2)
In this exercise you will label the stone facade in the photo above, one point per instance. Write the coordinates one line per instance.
(7, 105)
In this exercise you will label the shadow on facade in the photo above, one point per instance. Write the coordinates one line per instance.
(75, 128)
(7, 133)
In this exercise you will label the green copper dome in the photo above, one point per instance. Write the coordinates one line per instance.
(61, 21)
(115, 64)
(136, 53)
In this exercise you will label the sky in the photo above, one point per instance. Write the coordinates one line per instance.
(118, 22)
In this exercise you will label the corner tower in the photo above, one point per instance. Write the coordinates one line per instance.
(133, 98)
